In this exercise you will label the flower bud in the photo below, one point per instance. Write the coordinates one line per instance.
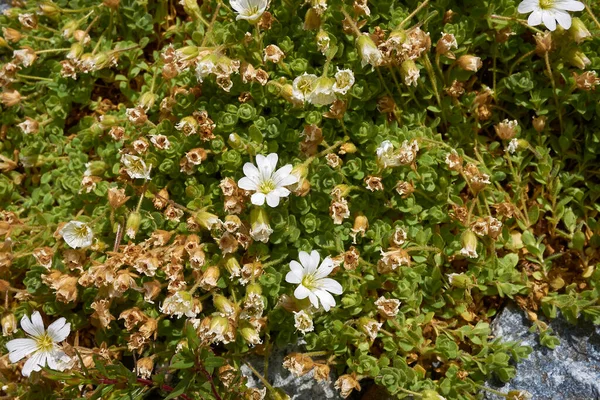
(191, 8)
(469, 243)
(459, 280)
(133, 224)
(76, 51)
(235, 141)
(219, 325)
(144, 367)
(578, 30)
(147, 100)
(188, 53)
(49, 9)
(81, 37)
(224, 305)
(10, 98)
(409, 72)
(398, 37)
(11, 35)
(206, 219)
(9, 324)
(232, 265)
(469, 63)
(543, 43)
(341, 190)
(312, 20)
(578, 59)
(260, 228)
(369, 52)
(348, 148)
(95, 168)
(249, 333)
(3, 42)
(539, 123)
(253, 288)
(210, 278)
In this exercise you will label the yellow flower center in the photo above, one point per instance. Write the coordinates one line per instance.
(44, 343)
(309, 281)
(266, 186)
(81, 231)
(546, 4)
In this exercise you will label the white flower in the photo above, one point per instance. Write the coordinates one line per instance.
(41, 345)
(312, 279)
(302, 86)
(549, 12)
(267, 183)
(344, 79)
(135, 167)
(77, 234)
(513, 145)
(303, 322)
(250, 10)
(369, 52)
(261, 232)
(322, 92)
(179, 304)
(386, 156)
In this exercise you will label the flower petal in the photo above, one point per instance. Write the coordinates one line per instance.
(569, 5)
(325, 268)
(327, 300)
(35, 326)
(331, 285)
(314, 300)
(250, 170)
(563, 18)
(549, 21)
(282, 173)
(35, 363)
(314, 262)
(297, 268)
(272, 159)
(258, 199)
(59, 330)
(535, 18)
(528, 6)
(301, 292)
(19, 348)
(272, 199)
(248, 183)
(304, 258)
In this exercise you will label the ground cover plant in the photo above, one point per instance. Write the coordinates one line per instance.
(186, 185)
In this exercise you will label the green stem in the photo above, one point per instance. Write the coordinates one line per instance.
(589, 10)
(51, 51)
(36, 78)
(558, 109)
(412, 14)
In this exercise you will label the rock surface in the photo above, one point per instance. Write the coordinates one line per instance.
(569, 372)
(302, 388)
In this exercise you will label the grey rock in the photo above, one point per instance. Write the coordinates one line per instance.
(569, 372)
(298, 388)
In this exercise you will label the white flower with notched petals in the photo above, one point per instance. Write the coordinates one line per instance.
(344, 79)
(250, 10)
(312, 279)
(549, 12)
(77, 234)
(302, 87)
(135, 167)
(41, 345)
(267, 184)
(386, 156)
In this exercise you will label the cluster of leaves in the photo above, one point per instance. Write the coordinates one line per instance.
(414, 231)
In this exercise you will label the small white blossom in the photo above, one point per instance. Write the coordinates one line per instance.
(322, 92)
(549, 12)
(179, 304)
(267, 184)
(344, 79)
(77, 234)
(512, 146)
(135, 167)
(41, 345)
(250, 10)
(303, 322)
(312, 279)
(386, 156)
(302, 86)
